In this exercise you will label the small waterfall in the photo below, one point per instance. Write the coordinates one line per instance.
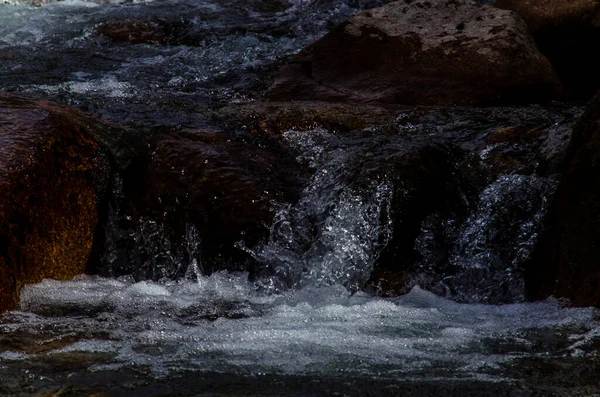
(154, 322)
(335, 232)
(498, 238)
(483, 257)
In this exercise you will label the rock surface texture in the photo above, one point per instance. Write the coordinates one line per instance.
(53, 174)
(196, 196)
(275, 118)
(568, 261)
(568, 33)
(422, 52)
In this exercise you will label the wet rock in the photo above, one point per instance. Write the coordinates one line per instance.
(567, 260)
(197, 196)
(157, 32)
(513, 150)
(421, 176)
(421, 52)
(275, 118)
(175, 29)
(568, 34)
(458, 234)
(72, 391)
(470, 234)
(53, 174)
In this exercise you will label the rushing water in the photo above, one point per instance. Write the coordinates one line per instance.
(221, 325)
(304, 326)
(306, 329)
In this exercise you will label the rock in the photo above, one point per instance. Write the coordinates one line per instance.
(568, 34)
(421, 52)
(53, 175)
(469, 198)
(567, 260)
(174, 30)
(72, 391)
(420, 174)
(277, 117)
(198, 195)
(156, 32)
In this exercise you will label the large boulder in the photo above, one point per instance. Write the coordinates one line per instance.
(430, 52)
(53, 174)
(568, 34)
(567, 261)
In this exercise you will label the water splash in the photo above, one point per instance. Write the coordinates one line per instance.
(192, 239)
(335, 232)
(222, 324)
(143, 248)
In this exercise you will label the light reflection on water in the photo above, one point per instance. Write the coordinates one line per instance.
(220, 323)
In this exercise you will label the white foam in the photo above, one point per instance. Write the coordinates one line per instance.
(107, 87)
(222, 324)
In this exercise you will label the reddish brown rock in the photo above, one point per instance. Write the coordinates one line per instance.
(568, 33)
(567, 261)
(278, 117)
(52, 176)
(433, 52)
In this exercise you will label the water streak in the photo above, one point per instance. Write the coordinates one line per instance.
(335, 232)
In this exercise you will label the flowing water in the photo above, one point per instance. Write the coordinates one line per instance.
(305, 326)
(90, 331)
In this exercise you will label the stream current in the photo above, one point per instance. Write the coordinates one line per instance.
(306, 329)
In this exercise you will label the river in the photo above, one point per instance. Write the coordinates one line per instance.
(306, 328)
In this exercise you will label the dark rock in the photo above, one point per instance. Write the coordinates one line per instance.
(568, 34)
(470, 233)
(157, 32)
(428, 180)
(275, 118)
(196, 196)
(172, 29)
(421, 52)
(567, 260)
(53, 174)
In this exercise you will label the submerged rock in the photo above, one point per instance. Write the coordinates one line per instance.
(421, 52)
(568, 33)
(53, 174)
(567, 262)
